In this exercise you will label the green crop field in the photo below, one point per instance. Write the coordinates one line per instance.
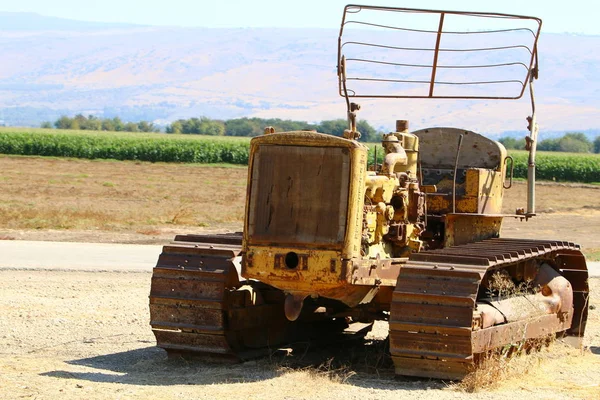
(550, 166)
(561, 167)
(154, 147)
(126, 135)
(124, 146)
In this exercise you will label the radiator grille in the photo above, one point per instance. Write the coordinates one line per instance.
(299, 194)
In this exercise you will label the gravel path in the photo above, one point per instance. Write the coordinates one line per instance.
(21, 254)
(17, 254)
(74, 335)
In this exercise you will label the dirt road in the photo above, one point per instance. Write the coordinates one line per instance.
(23, 254)
(74, 335)
(96, 257)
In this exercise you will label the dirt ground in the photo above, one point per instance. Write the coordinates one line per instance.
(87, 335)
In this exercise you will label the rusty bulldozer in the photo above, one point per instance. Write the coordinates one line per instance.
(330, 240)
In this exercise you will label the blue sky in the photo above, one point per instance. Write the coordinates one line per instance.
(574, 16)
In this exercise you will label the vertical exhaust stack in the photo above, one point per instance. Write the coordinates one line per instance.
(531, 145)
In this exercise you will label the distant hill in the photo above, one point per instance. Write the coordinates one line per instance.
(13, 21)
(52, 66)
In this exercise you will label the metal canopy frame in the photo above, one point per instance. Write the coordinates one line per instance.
(352, 17)
(530, 65)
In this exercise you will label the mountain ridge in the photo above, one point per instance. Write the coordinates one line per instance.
(31, 21)
(166, 73)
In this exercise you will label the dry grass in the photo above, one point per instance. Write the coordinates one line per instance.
(561, 370)
(502, 286)
(555, 198)
(45, 198)
(48, 193)
(326, 370)
(593, 254)
(502, 283)
(55, 193)
(511, 361)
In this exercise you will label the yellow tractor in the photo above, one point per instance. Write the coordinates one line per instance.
(331, 238)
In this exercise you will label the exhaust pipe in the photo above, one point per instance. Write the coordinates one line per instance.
(531, 145)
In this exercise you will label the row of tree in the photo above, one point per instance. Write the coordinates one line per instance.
(93, 123)
(573, 142)
(256, 126)
(213, 127)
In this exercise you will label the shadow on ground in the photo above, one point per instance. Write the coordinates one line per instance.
(151, 366)
(364, 363)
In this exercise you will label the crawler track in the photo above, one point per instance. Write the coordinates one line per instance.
(201, 307)
(433, 332)
(190, 294)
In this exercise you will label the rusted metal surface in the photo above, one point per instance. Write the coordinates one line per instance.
(494, 252)
(316, 272)
(436, 53)
(515, 332)
(329, 157)
(223, 238)
(476, 177)
(467, 228)
(189, 295)
(573, 267)
(304, 219)
(201, 307)
(435, 328)
(286, 181)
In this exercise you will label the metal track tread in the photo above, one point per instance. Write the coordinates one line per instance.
(431, 318)
(189, 295)
(200, 306)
